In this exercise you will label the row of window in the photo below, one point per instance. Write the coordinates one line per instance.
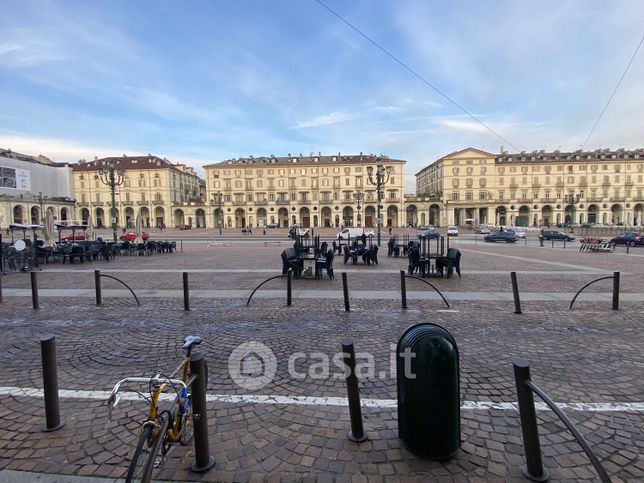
(290, 171)
(291, 183)
(557, 195)
(391, 195)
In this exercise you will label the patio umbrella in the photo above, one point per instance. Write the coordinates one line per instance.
(89, 233)
(138, 229)
(48, 229)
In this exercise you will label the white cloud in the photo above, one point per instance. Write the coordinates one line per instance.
(324, 120)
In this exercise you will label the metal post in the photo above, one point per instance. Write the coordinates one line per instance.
(203, 460)
(0, 287)
(627, 247)
(289, 287)
(34, 290)
(403, 289)
(564, 243)
(186, 292)
(616, 290)
(97, 286)
(345, 290)
(357, 433)
(181, 246)
(515, 293)
(533, 469)
(50, 383)
(553, 243)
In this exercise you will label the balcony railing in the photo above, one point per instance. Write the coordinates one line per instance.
(618, 198)
(326, 202)
(140, 203)
(594, 199)
(548, 200)
(239, 203)
(281, 202)
(261, 202)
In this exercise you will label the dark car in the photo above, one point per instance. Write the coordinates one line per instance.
(429, 233)
(630, 238)
(271, 225)
(556, 235)
(501, 236)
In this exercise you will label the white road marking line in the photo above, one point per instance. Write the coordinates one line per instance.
(324, 401)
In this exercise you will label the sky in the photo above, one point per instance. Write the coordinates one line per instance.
(200, 82)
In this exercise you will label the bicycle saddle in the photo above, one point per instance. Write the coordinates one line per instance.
(191, 340)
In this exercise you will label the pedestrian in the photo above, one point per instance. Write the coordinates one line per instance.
(389, 231)
(541, 237)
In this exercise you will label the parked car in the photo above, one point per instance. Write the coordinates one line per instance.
(519, 231)
(131, 236)
(295, 231)
(75, 237)
(630, 238)
(271, 225)
(452, 230)
(425, 227)
(556, 235)
(483, 230)
(507, 236)
(428, 233)
(352, 233)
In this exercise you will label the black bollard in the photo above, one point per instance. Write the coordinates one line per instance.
(515, 292)
(357, 433)
(289, 287)
(203, 460)
(553, 243)
(403, 289)
(0, 287)
(186, 292)
(34, 291)
(616, 290)
(534, 469)
(181, 246)
(345, 291)
(97, 286)
(50, 383)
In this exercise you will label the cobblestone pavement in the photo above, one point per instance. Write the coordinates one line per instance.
(588, 355)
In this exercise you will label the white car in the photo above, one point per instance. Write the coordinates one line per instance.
(519, 231)
(452, 230)
(353, 233)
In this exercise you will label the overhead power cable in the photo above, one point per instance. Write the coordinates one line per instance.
(416, 74)
(614, 92)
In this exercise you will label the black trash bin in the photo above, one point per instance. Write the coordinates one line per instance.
(429, 409)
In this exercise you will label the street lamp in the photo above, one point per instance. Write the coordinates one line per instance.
(382, 176)
(112, 177)
(572, 200)
(359, 196)
(218, 199)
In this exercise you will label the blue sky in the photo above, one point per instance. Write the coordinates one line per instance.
(204, 81)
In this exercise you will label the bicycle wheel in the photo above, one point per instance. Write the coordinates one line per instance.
(137, 465)
(159, 437)
(186, 425)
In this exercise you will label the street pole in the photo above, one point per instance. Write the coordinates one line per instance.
(112, 177)
(380, 180)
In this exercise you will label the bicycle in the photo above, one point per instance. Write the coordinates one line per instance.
(162, 428)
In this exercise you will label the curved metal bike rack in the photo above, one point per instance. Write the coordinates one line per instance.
(588, 284)
(267, 280)
(432, 286)
(126, 285)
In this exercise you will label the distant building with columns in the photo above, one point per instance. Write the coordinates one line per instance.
(531, 189)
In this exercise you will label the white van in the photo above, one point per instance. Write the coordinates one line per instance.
(353, 233)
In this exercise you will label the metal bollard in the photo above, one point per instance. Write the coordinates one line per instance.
(357, 433)
(533, 469)
(50, 383)
(345, 291)
(181, 246)
(289, 287)
(515, 292)
(553, 243)
(616, 276)
(627, 247)
(203, 460)
(0, 286)
(97, 287)
(403, 289)
(186, 292)
(34, 291)
(564, 243)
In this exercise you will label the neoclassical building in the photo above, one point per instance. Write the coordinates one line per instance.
(31, 185)
(161, 192)
(531, 189)
(313, 191)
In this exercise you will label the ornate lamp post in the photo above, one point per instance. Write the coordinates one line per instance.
(112, 177)
(382, 176)
(572, 200)
(217, 199)
(359, 196)
(41, 200)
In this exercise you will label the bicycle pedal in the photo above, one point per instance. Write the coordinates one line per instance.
(158, 461)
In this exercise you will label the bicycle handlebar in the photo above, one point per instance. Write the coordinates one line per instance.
(115, 397)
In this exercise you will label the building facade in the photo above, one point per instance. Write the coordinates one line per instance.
(533, 189)
(313, 191)
(161, 192)
(31, 185)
